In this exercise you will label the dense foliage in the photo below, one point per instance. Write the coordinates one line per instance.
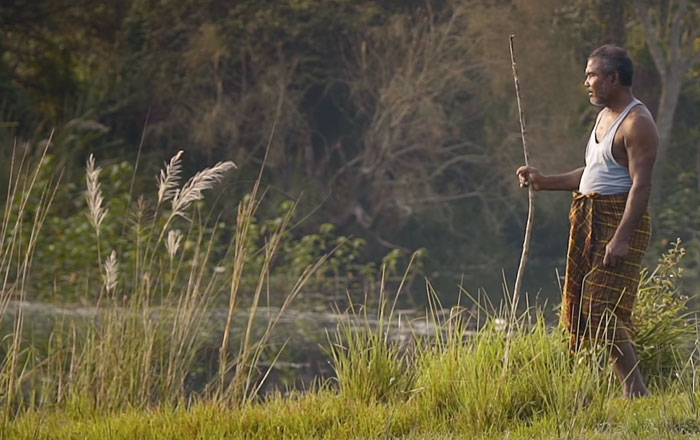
(392, 121)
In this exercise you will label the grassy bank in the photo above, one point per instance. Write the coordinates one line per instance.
(452, 384)
(326, 416)
(457, 391)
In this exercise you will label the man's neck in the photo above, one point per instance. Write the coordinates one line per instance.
(620, 101)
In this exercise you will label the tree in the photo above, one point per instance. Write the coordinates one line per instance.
(672, 35)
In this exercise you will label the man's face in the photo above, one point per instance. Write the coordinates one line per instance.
(598, 84)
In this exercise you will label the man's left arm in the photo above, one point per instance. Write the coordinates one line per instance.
(641, 143)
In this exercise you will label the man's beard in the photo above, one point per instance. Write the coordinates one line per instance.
(600, 98)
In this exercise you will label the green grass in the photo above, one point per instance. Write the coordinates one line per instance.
(329, 414)
(448, 385)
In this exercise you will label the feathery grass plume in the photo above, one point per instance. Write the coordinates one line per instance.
(111, 275)
(192, 189)
(172, 243)
(168, 178)
(96, 212)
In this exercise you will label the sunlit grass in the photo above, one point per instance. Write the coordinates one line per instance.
(446, 386)
(516, 407)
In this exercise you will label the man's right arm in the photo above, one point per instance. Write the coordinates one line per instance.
(556, 182)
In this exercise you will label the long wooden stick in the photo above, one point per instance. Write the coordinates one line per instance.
(530, 214)
(530, 192)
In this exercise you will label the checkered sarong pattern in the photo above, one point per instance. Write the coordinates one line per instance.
(598, 300)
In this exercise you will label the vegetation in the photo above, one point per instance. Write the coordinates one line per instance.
(395, 120)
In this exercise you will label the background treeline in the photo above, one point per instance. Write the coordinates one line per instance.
(393, 121)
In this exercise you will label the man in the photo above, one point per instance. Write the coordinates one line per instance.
(610, 227)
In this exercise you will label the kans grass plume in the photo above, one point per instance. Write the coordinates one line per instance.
(192, 190)
(96, 212)
(182, 198)
(169, 178)
(111, 274)
(172, 243)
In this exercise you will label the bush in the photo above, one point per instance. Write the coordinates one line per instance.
(665, 332)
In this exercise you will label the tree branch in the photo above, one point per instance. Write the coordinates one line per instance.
(449, 198)
(676, 32)
(652, 38)
(469, 158)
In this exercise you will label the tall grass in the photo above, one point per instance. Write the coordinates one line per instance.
(147, 323)
(134, 351)
(456, 378)
(368, 364)
(15, 264)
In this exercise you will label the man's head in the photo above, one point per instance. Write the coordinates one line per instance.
(608, 70)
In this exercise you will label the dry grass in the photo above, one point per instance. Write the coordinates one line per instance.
(140, 345)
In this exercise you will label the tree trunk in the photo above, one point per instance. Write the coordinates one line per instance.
(670, 91)
(673, 55)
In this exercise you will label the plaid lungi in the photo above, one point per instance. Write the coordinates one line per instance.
(598, 300)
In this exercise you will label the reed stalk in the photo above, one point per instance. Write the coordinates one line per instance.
(16, 254)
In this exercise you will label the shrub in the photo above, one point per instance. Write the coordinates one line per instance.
(665, 332)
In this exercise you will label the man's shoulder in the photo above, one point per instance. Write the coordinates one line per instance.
(638, 121)
(639, 130)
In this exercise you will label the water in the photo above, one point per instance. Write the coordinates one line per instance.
(302, 335)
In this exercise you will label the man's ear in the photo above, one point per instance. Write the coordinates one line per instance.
(615, 77)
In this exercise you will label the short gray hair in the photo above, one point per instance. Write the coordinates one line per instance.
(615, 59)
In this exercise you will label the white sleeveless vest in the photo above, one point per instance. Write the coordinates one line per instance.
(602, 174)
